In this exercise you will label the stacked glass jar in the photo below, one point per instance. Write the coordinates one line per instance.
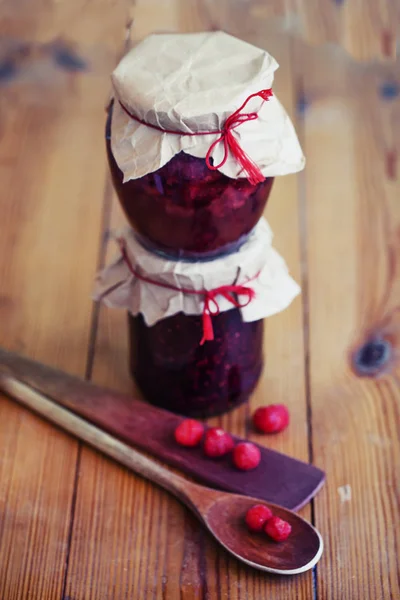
(193, 146)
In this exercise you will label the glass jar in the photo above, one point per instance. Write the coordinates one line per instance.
(185, 210)
(175, 372)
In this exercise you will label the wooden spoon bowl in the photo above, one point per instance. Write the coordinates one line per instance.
(300, 552)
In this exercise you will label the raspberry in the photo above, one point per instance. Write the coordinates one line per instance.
(257, 516)
(217, 442)
(246, 456)
(278, 529)
(189, 433)
(272, 418)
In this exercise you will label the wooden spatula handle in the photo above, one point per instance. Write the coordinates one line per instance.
(95, 437)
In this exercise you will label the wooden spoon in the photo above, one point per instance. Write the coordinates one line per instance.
(221, 512)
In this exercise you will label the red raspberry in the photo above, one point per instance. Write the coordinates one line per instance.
(272, 418)
(217, 442)
(189, 433)
(246, 456)
(278, 529)
(257, 516)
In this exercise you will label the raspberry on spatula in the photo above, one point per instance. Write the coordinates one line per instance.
(217, 442)
(246, 456)
(257, 516)
(278, 529)
(189, 433)
(271, 419)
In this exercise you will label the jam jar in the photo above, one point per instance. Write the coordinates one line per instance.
(195, 137)
(185, 210)
(174, 372)
(196, 329)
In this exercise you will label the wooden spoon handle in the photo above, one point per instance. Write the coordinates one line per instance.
(97, 438)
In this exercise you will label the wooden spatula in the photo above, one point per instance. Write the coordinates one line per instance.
(279, 478)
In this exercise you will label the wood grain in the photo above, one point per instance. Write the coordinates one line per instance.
(129, 539)
(51, 207)
(364, 29)
(352, 293)
(378, 34)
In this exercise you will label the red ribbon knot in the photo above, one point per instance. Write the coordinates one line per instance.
(227, 291)
(253, 172)
(211, 306)
(227, 137)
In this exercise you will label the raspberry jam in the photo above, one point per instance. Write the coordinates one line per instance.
(173, 371)
(185, 210)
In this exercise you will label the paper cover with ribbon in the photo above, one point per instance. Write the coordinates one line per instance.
(209, 95)
(145, 283)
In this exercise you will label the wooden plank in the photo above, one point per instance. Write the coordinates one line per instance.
(51, 206)
(319, 20)
(366, 29)
(369, 29)
(352, 253)
(131, 539)
(138, 548)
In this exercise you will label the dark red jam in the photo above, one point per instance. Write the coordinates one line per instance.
(185, 210)
(173, 371)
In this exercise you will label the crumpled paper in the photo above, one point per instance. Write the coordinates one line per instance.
(190, 83)
(256, 264)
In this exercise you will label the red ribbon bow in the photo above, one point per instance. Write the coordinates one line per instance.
(211, 306)
(253, 172)
(227, 292)
(230, 142)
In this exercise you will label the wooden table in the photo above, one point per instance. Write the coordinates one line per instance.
(74, 525)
